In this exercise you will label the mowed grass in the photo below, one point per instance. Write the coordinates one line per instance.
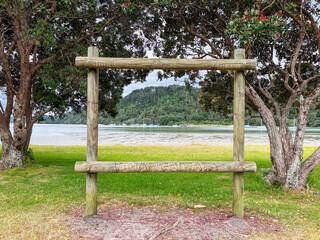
(37, 202)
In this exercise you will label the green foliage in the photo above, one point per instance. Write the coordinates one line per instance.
(162, 105)
(254, 25)
(132, 8)
(30, 158)
(200, 31)
(157, 105)
(54, 33)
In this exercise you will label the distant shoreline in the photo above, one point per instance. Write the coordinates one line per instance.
(76, 135)
(71, 134)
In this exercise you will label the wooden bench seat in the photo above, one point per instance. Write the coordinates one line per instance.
(165, 166)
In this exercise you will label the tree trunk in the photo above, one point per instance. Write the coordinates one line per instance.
(15, 146)
(296, 176)
(12, 156)
(286, 154)
(14, 149)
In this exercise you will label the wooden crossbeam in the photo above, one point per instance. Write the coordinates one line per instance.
(165, 166)
(166, 64)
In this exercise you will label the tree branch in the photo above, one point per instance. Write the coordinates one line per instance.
(203, 38)
(313, 95)
(268, 6)
(37, 102)
(305, 82)
(298, 47)
(288, 107)
(314, 25)
(310, 163)
(40, 115)
(267, 94)
(45, 61)
(3, 120)
(252, 111)
(1, 108)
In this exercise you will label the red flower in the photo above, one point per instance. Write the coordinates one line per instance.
(242, 20)
(251, 18)
(279, 14)
(278, 22)
(201, 94)
(246, 16)
(277, 35)
(260, 12)
(127, 4)
(259, 19)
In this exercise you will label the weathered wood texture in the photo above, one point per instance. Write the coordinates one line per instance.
(92, 167)
(140, 167)
(92, 133)
(166, 64)
(238, 136)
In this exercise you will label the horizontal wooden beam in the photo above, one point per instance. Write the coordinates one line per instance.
(166, 63)
(140, 167)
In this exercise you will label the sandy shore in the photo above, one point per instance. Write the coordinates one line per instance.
(44, 135)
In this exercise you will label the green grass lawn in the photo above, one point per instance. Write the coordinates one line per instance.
(40, 197)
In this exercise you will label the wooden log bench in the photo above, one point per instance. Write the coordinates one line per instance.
(161, 167)
(95, 167)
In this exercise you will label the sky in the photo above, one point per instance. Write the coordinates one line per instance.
(152, 80)
(2, 98)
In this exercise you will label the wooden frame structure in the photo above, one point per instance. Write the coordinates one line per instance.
(92, 166)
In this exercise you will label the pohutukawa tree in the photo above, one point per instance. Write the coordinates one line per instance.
(39, 41)
(284, 37)
(288, 79)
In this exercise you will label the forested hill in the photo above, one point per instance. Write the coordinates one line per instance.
(164, 106)
(156, 105)
(168, 106)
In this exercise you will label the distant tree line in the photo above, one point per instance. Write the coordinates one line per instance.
(168, 106)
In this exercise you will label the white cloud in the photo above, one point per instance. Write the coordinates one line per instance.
(152, 80)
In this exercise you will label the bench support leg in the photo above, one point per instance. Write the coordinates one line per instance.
(92, 134)
(91, 194)
(238, 135)
(238, 187)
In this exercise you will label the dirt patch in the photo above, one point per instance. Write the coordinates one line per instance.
(151, 223)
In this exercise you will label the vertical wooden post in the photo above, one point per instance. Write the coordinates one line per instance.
(92, 133)
(238, 135)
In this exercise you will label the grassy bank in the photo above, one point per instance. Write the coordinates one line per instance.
(36, 202)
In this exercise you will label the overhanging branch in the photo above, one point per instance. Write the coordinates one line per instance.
(40, 115)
